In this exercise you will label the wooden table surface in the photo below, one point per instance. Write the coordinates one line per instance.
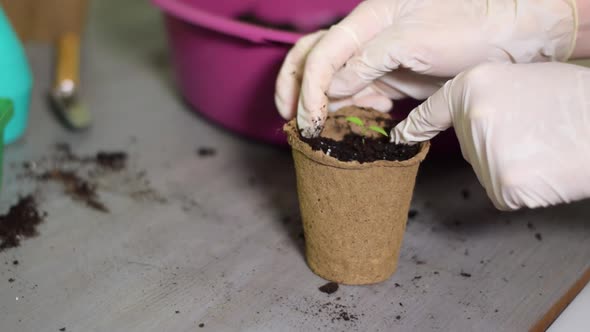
(222, 246)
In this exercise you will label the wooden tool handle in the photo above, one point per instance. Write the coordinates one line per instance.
(68, 59)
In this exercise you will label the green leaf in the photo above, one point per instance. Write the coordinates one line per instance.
(357, 121)
(378, 130)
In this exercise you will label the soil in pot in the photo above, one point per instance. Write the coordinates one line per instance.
(354, 190)
(354, 147)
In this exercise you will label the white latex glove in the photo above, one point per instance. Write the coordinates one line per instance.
(426, 39)
(525, 129)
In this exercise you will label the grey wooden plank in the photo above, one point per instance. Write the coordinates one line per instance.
(219, 252)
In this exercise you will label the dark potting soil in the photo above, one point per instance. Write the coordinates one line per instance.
(363, 149)
(20, 222)
(329, 288)
(249, 17)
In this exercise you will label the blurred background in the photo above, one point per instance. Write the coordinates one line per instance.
(203, 227)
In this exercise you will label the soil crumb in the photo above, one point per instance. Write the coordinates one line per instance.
(112, 160)
(539, 237)
(418, 261)
(62, 329)
(329, 288)
(465, 274)
(11, 280)
(204, 152)
(20, 222)
(412, 214)
(201, 325)
(465, 194)
(15, 262)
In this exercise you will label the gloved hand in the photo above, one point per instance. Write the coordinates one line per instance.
(399, 48)
(525, 129)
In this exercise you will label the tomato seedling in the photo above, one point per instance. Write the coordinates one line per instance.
(357, 121)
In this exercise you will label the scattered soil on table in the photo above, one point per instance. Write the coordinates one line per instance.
(62, 329)
(249, 17)
(204, 152)
(329, 288)
(201, 325)
(465, 274)
(335, 312)
(81, 176)
(539, 237)
(363, 149)
(20, 222)
(11, 280)
(15, 262)
(76, 188)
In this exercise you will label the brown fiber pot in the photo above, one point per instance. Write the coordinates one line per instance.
(354, 215)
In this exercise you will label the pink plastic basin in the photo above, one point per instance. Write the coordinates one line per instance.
(226, 69)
